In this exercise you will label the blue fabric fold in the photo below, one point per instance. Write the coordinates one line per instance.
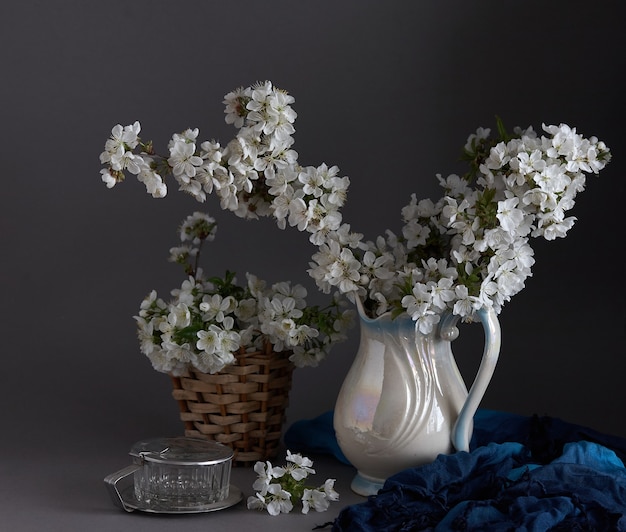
(583, 489)
(522, 473)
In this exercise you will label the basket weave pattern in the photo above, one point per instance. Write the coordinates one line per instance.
(243, 406)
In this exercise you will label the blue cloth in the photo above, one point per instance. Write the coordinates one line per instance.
(522, 473)
(499, 487)
(544, 435)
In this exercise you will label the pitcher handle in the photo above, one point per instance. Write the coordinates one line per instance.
(462, 431)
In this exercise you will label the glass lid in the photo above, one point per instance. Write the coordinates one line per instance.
(181, 451)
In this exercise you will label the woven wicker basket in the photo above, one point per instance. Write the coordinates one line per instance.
(243, 406)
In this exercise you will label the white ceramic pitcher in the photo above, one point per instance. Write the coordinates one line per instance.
(404, 401)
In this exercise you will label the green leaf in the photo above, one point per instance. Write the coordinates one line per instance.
(502, 130)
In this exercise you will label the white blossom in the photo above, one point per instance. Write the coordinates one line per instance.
(279, 500)
(208, 321)
(278, 488)
(316, 499)
(468, 249)
(183, 160)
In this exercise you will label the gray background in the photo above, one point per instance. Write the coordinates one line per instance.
(388, 91)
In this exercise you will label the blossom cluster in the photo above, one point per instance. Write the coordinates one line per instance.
(279, 487)
(466, 251)
(255, 174)
(208, 320)
(470, 249)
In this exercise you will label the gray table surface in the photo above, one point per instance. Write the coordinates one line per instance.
(65, 491)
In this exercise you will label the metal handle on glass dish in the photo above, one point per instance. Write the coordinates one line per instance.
(112, 482)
